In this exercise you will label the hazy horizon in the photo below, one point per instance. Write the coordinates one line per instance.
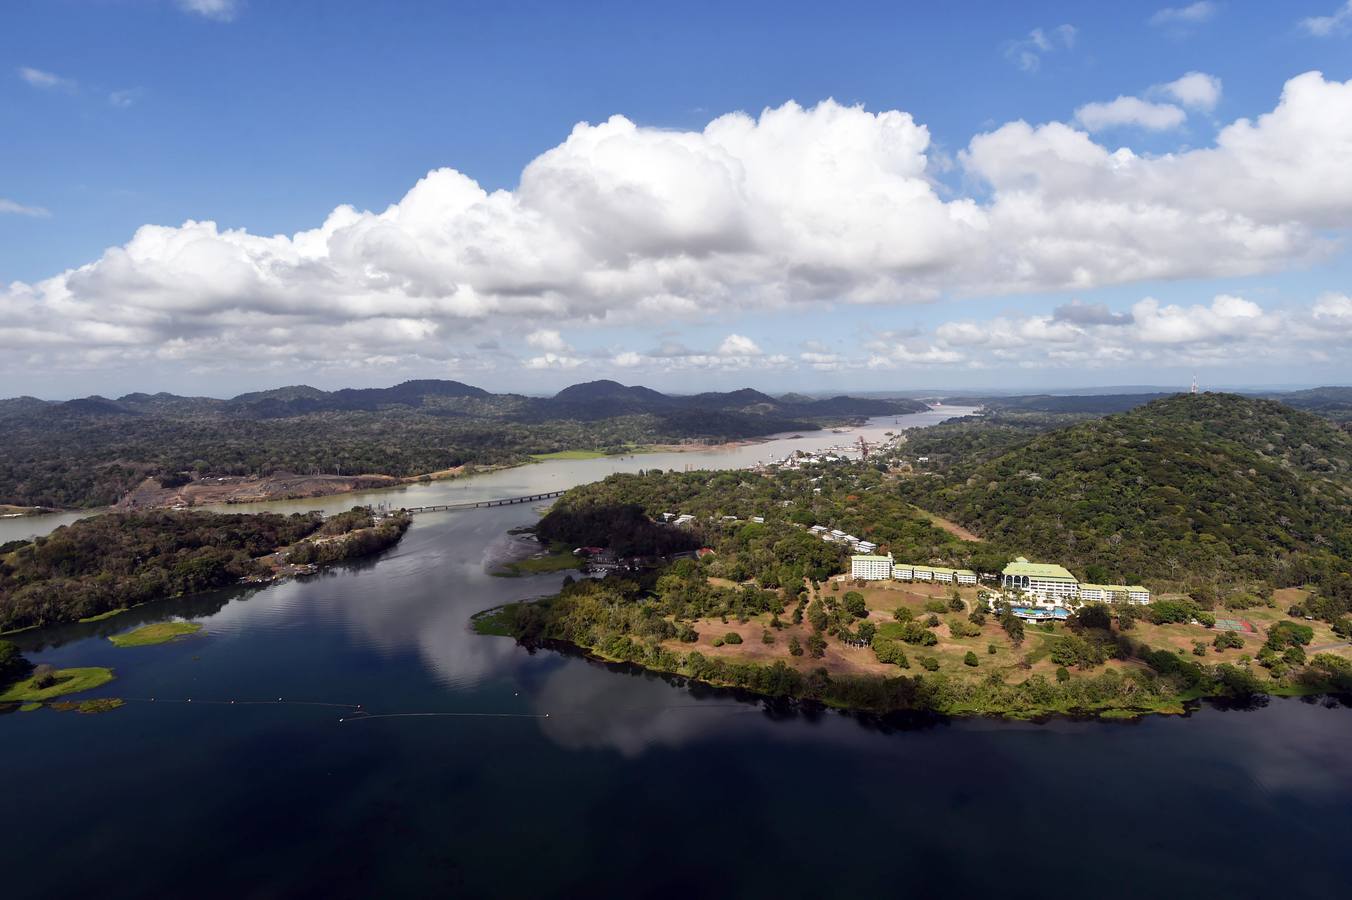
(912, 392)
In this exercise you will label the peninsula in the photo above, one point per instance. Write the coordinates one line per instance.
(110, 562)
(756, 579)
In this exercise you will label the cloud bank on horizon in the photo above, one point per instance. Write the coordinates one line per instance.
(797, 208)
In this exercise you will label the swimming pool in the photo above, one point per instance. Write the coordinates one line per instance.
(1038, 614)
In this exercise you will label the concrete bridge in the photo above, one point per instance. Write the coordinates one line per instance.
(484, 504)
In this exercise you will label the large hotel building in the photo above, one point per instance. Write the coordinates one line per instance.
(1051, 584)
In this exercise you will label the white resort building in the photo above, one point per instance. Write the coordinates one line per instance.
(1107, 593)
(867, 567)
(1041, 581)
(1046, 584)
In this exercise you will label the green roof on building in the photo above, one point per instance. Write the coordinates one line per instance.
(1112, 588)
(1022, 566)
(864, 557)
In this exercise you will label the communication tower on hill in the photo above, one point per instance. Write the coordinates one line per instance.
(1194, 385)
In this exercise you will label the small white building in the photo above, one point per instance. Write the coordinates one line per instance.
(684, 520)
(865, 567)
(965, 576)
(903, 571)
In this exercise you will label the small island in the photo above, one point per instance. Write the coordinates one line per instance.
(23, 683)
(156, 633)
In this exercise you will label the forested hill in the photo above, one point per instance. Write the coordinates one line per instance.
(1209, 489)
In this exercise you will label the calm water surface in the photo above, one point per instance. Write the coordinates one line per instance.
(488, 771)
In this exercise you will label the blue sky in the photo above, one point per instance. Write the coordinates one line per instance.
(266, 116)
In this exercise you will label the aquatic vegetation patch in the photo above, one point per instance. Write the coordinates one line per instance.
(500, 621)
(44, 685)
(157, 633)
(88, 707)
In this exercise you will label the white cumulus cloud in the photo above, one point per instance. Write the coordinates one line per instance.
(547, 339)
(1130, 111)
(621, 224)
(738, 345)
(1195, 90)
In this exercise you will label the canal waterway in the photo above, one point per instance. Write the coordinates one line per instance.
(476, 769)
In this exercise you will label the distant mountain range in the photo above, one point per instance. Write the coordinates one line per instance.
(588, 401)
(93, 451)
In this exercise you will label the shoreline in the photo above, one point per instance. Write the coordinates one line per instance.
(229, 490)
(9, 511)
(242, 490)
(275, 563)
(931, 692)
(1181, 705)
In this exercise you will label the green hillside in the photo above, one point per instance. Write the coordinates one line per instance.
(1208, 490)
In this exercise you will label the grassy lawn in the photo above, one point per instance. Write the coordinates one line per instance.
(108, 615)
(158, 633)
(560, 561)
(568, 454)
(495, 622)
(68, 681)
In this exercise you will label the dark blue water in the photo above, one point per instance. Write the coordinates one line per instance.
(632, 786)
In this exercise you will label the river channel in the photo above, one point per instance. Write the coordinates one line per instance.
(477, 769)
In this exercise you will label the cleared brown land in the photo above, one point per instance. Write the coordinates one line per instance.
(952, 528)
(882, 598)
(245, 489)
(7, 510)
